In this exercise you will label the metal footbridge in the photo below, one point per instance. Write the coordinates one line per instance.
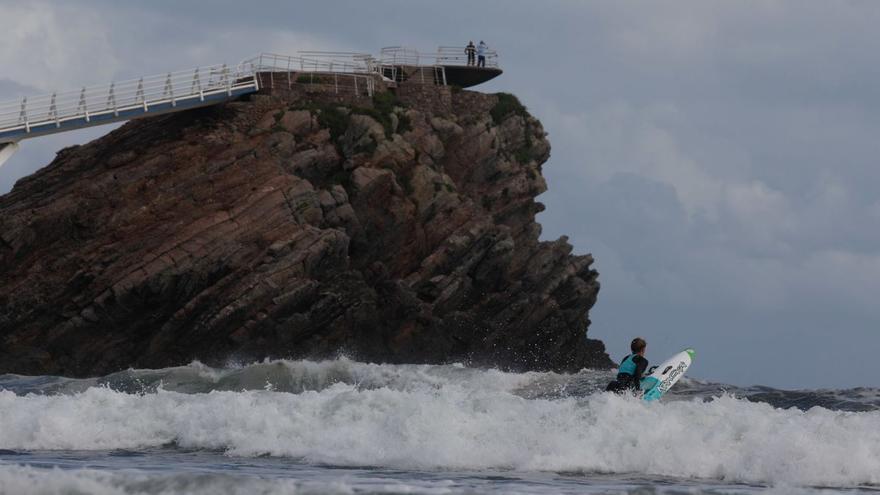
(31, 117)
(119, 101)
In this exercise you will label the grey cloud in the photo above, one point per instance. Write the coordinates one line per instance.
(718, 158)
(11, 90)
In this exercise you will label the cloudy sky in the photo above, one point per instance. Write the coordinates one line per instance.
(719, 159)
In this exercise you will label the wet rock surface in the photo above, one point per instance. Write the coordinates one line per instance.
(281, 227)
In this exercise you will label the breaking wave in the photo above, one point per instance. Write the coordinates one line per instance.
(344, 413)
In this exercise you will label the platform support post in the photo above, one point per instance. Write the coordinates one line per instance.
(83, 105)
(23, 116)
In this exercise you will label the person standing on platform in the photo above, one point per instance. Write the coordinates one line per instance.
(481, 54)
(470, 50)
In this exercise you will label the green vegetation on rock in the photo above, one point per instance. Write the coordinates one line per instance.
(334, 119)
(508, 104)
(403, 123)
(383, 106)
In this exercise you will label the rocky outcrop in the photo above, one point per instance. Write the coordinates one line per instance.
(281, 226)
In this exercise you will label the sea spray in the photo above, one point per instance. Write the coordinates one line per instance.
(344, 413)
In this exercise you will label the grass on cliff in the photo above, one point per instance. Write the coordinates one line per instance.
(526, 152)
(524, 155)
(507, 105)
(383, 106)
(336, 120)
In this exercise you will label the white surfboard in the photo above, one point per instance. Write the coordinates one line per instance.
(664, 376)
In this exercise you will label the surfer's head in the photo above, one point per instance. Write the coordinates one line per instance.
(638, 345)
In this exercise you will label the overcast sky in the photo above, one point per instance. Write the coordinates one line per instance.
(719, 159)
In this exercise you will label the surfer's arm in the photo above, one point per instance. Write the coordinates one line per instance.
(641, 366)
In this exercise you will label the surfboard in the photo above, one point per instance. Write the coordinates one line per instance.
(664, 376)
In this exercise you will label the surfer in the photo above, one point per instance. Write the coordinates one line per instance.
(631, 369)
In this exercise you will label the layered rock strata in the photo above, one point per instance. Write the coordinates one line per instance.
(287, 226)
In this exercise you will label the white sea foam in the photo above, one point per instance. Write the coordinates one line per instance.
(28, 480)
(459, 419)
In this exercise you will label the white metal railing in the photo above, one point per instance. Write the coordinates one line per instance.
(325, 69)
(445, 55)
(355, 61)
(424, 74)
(339, 62)
(401, 55)
(457, 55)
(172, 88)
(91, 101)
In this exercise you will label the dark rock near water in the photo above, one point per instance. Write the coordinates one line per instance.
(283, 226)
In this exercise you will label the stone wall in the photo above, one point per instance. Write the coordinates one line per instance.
(433, 98)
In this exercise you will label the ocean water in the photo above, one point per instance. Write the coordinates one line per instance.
(300, 427)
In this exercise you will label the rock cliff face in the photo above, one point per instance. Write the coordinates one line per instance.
(291, 226)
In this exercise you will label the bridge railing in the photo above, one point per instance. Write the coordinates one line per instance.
(18, 118)
(343, 63)
(332, 70)
(456, 55)
(87, 102)
(445, 55)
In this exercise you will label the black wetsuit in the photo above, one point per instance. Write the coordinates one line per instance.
(629, 375)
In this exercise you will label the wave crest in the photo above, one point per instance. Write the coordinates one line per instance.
(422, 417)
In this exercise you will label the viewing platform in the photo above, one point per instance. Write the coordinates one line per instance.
(341, 73)
(400, 63)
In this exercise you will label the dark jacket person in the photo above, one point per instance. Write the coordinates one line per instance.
(471, 51)
(631, 369)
